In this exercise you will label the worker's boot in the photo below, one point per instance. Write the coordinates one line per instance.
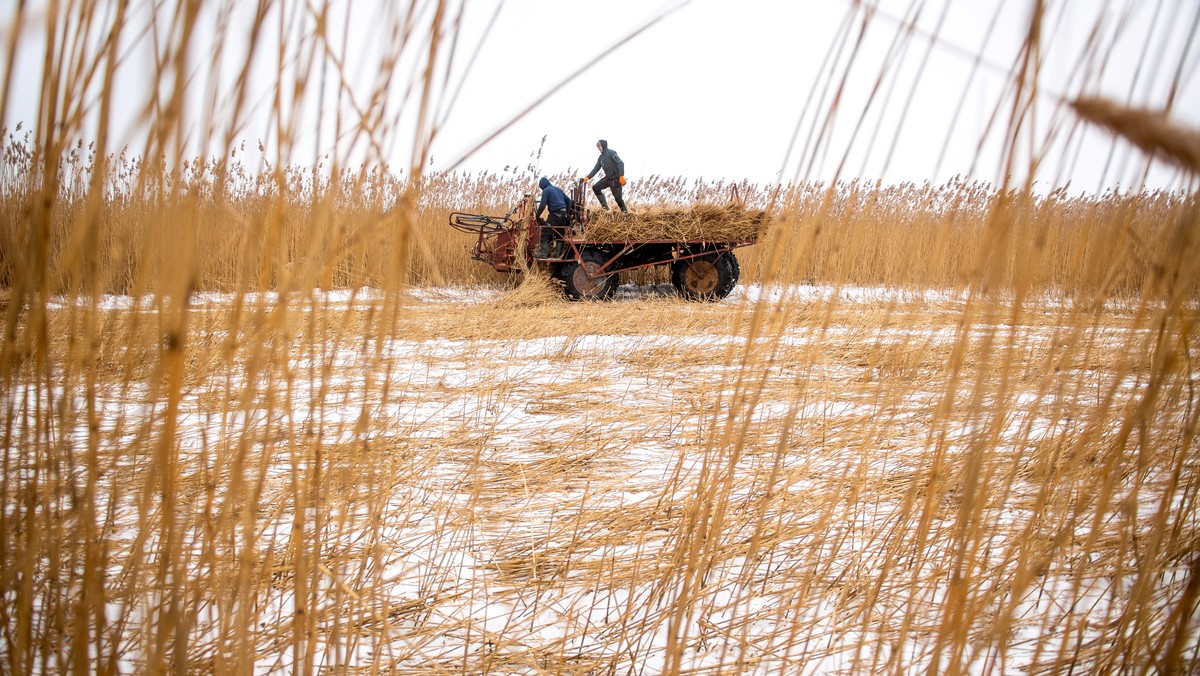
(543, 248)
(603, 202)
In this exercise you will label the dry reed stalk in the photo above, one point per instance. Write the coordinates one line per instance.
(1152, 131)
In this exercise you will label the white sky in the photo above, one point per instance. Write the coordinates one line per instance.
(713, 90)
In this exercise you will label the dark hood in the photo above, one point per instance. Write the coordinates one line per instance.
(544, 183)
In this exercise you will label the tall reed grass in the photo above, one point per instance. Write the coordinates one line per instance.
(261, 415)
(334, 231)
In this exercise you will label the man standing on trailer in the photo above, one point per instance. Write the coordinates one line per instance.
(614, 175)
(554, 199)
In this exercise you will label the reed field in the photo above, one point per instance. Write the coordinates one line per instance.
(268, 416)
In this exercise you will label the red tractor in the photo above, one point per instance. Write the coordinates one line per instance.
(589, 269)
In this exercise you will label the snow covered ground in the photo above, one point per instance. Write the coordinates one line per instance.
(854, 480)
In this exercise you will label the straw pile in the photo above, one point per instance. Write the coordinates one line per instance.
(533, 291)
(707, 222)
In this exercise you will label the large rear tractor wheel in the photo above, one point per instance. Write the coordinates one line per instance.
(581, 282)
(709, 277)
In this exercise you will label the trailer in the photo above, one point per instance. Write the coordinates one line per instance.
(589, 268)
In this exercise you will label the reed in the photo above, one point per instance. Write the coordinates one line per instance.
(265, 415)
(335, 232)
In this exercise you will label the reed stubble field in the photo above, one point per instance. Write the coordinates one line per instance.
(261, 418)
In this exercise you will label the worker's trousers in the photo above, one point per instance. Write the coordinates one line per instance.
(609, 183)
(557, 219)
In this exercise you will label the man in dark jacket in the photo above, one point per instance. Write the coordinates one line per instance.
(614, 175)
(559, 205)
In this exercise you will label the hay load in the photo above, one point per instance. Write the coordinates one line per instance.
(707, 222)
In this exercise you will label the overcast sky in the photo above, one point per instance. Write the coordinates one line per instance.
(718, 89)
(708, 89)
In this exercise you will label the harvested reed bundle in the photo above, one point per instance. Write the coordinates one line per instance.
(708, 222)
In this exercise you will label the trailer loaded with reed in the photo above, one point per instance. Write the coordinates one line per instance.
(589, 254)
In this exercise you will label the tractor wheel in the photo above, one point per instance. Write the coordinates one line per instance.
(709, 277)
(581, 284)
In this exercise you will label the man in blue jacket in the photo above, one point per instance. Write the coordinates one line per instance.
(614, 175)
(559, 205)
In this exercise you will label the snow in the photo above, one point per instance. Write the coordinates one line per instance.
(485, 449)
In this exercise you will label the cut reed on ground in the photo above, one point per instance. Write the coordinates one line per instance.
(261, 417)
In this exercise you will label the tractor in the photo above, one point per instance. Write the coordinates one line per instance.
(589, 269)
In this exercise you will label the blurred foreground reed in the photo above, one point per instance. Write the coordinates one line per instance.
(266, 416)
